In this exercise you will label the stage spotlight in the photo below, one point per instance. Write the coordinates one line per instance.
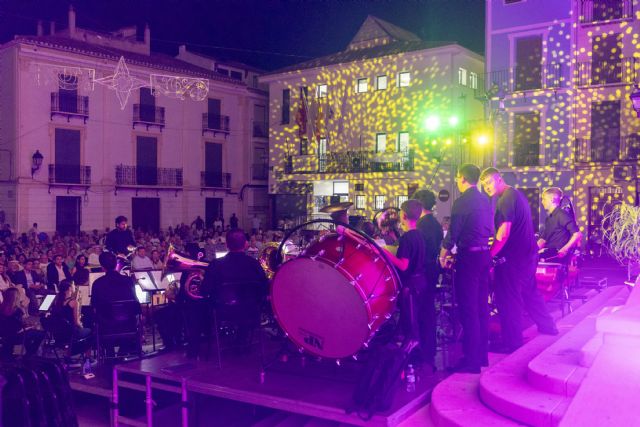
(432, 123)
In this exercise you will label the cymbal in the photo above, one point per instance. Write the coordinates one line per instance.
(336, 207)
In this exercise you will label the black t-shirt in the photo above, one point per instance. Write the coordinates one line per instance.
(513, 207)
(558, 228)
(412, 247)
(234, 267)
(470, 221)
(431, 231)
(117, 241)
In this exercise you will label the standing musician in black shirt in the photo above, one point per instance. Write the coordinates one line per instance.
(515, 285)
(470, 231)
(410, 260)
(120, 237)
(432, 233)
(561, 233)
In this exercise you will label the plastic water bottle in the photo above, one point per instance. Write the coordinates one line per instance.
(86, 367)
(410, 378)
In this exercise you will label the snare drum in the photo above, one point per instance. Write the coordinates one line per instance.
(333, 297)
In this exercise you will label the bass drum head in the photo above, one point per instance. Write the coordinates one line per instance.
(319, 308)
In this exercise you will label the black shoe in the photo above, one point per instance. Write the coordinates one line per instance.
(549, 331)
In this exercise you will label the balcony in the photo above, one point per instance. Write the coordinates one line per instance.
(353, 162)
(69, 106)
(147, 176)
(260, 129)
(215, 124)
(71, 175)
(260, 171)
(597, 73)
(148, 115)
(592, 11)
(608, 149)
(520, 78)
(215, 180)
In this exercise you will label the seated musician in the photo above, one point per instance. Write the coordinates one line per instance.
(561, 233)
(108, 289)
(235, 267)
(411, 262)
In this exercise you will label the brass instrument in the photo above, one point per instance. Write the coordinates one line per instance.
(268, 258)
(193, 269)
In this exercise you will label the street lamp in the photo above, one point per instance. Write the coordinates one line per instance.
(36, 162)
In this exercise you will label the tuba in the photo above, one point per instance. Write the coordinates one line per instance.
(193, 269)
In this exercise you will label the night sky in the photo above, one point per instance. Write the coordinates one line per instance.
(265, 33)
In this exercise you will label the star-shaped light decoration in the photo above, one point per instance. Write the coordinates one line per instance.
(122, 82)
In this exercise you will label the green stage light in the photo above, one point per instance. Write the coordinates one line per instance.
(432, 123)
(454, 121)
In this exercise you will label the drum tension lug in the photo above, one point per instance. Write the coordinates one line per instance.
(321, 252)
(359, 246)
(386, 279)
(338, 362)
(359, 276)
(376, 259)
(355, 357)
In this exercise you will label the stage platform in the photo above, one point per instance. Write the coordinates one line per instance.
(301, 388)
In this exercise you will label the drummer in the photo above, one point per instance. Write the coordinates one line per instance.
(411, 262)
(561, 233)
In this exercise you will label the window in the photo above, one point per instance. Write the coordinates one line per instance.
(401, 199)
(340, 188)
(462, 76)
(286, 106)
(379, 202)
(404, 79)
(360, 201)
(528, 72)
(526, 139)
(473, 80)
(403, 142)
(321, 91)
(304, 146)
(322, 147)
(236, 75)
(362, 86)
(381, 82)
(381, 142)
(222, 71)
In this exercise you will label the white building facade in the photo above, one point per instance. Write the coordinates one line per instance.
(119, 130)
(373, 123)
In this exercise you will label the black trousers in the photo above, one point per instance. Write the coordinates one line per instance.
(471, 281)
(417, 314)
(516, 291)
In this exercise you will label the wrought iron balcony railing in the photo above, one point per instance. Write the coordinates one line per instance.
(69, 174)
(69, 105)
(520, 78)
(148, 176)
(260, 129)
(216, 123)
(260, 171)
(215, 180)
(358, 161)
(148, 115)
(608, 149)
(592, 11)
(595, 73)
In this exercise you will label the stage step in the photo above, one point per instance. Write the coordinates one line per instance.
(504, 387)
(486, 400)
(558, 368)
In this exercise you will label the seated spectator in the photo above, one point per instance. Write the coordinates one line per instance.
(56, 272)
(30, 278)
(5, 280)
(80, 272)
(70, 260)
(12, 328)
(94, 254)
(14, 267)
(156, 261)
(141, 261)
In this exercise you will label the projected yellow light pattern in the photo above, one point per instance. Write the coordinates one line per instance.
(398, 136)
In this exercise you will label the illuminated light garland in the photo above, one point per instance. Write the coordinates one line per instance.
(122, 82)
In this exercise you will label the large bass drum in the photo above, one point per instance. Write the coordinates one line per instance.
(332, 299)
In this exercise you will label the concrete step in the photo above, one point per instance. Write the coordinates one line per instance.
(504, 388)
(557, 369)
